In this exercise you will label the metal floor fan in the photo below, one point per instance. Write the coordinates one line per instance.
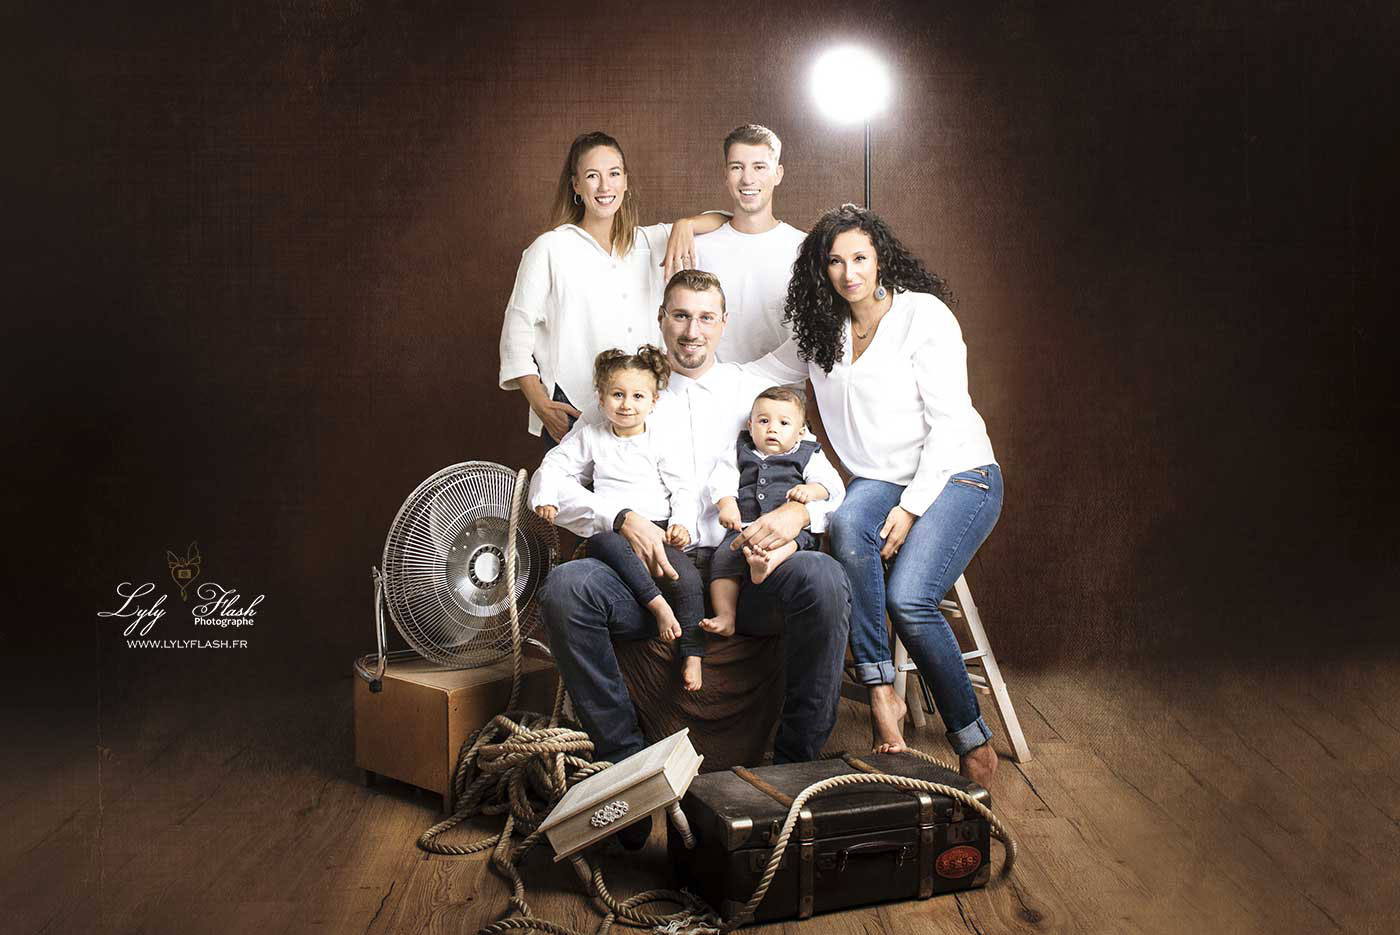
(445, 578)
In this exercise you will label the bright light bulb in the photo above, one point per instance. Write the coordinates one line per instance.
(850, 84)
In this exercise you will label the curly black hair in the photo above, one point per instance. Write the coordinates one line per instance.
(817, 314)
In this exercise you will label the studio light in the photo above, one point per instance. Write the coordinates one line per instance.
(851, 85)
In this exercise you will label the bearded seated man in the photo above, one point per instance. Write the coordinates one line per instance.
(626, 684)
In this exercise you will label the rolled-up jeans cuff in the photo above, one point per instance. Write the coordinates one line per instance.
(970, 737)
(875, 673)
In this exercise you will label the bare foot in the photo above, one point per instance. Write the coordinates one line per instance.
(762, 564)
(887, 712)
(719, 624)
(667, 626)
(690, 676)
(979, 764)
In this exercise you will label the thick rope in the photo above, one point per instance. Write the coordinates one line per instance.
(521, 763)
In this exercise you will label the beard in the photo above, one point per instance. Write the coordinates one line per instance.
(688, 359)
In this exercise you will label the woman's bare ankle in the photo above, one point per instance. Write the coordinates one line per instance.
(887, 712)
(979, 764)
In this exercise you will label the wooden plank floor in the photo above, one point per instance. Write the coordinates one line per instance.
(1260, 801)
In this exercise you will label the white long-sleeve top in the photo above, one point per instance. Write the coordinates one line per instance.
(696, 421)
(573, 300)
(724, 479)
(901, 413)
(641, 473)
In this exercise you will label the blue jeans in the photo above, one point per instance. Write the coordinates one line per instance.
(587, 606)
(939, 546)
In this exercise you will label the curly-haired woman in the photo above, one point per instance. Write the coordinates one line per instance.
(887, 362)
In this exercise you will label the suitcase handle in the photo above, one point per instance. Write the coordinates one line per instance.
(872, 849)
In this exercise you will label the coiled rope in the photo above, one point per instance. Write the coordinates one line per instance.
(521, 763)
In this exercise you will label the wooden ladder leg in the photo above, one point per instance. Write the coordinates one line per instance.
(913, 699)
(913, 710)
(1009, 722)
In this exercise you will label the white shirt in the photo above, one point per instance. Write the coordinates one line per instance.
(573, 300)
(753, 270)
(697, 421)
(725, 478)
(639, 473)
(901, 413)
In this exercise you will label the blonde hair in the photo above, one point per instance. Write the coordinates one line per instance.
(648, 359)
(755, 135)
(569, 211)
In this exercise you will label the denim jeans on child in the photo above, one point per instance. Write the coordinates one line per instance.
(685, 594)
(939, 546)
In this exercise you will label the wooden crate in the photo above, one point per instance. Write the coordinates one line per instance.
(413, 729)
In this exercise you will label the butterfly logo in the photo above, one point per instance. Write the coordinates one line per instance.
(184, 570)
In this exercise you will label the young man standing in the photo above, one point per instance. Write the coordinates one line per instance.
(752, 255)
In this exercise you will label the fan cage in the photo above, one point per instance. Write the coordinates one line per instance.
(445, 582)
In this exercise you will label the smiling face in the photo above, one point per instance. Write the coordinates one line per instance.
(776, 425)
(752, 172)
(600, 180)
(852, 266)
(627, 399)
(691, 325)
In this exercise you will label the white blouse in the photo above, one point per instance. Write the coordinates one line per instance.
(901, 413)
(573, 300)
(644, 473)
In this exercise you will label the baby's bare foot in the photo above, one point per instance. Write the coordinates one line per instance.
(887, 712)
(690, 676)
(667, 626)
(719, 624)
(759, 565)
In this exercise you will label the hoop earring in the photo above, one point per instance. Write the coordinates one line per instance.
(577, 199)
(880, 293)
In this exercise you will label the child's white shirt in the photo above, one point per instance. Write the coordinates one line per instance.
(639, 473)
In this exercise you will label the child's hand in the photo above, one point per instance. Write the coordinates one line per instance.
(729, 516)
(547, 512)
(678, 536)
(808, 493)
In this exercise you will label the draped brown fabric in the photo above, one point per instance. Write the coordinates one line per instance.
(733, 716)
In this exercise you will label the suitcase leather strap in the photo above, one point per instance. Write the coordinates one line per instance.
(806, 841)
(925, 827)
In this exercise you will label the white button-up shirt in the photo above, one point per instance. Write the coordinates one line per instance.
(639, 473)
(572, 301)
(901, 413)
(698, 421)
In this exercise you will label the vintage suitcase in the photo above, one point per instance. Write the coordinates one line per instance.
(854, 846)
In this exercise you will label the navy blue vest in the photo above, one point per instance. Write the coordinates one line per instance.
(764, 482)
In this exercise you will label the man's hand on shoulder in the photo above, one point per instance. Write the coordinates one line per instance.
(776, 528)
(649, 543)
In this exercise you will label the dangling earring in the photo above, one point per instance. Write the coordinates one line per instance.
(880, 293)
(577, 199)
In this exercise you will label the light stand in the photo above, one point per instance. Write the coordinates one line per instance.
(851, 85)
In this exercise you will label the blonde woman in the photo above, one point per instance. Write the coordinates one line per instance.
(590, 283)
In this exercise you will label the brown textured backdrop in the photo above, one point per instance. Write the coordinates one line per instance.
(260, 258)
